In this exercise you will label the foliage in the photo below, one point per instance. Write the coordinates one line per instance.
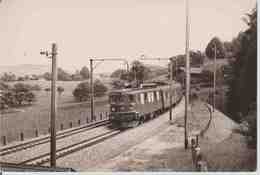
(243, 77)
(82, 91)
(63, 75)
(8, 77)
(84, 72)
(35, 87)
(77, 76)
(118, 84)
(99, 88)
(60, 90)
(19, 94)
(47, 89)
(119, 73)
(210, 49)
(47, 76)
(138, 72)
(4, 86)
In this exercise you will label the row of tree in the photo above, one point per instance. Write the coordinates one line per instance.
(62, 75)
(17, 95)
(242, 102)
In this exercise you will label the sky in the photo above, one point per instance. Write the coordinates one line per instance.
(86, 29)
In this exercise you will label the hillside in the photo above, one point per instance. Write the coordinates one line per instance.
(25, 69)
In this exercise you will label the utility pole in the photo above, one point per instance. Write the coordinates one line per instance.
(187, 93)
(214, 81)
(53, 56)
(91, 91)
(171, 95)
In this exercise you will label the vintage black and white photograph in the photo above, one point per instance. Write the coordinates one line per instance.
(128, 86)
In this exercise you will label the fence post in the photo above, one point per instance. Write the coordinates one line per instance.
(70, 124)
(36, 133)
(61, 126)
(100, 115)
(4, 140)
(79, 122)
(197, 140)
(21, 136)
(106, 114)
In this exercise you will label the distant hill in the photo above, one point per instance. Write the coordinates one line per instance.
(25, 69)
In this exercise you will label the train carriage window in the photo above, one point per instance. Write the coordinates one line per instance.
(131, 98)
(164, 95)
(145, 97)
(158, 95)
(149, 97)
(137, 98)
(152, 97)
(142, 98)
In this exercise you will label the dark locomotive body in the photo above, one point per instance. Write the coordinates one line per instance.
(132, 106)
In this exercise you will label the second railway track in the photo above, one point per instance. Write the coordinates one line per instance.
(45, 139)
(63, 151)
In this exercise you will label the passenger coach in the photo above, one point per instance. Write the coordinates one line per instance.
(132, 106)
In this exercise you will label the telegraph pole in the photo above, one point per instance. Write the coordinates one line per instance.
(91, 91)
(53, 105)
(53, 56)
(171, 95)
(187, 93)
(214, 81)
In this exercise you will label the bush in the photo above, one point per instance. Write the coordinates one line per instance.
(36, 87)
(82, 91)
(60, 90)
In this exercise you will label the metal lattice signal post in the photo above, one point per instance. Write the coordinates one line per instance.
(92, 67)
(53, 56)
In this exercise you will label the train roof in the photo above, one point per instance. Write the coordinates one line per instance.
(139, 90)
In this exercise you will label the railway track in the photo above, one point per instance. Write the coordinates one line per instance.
(45, 139)
(63, 151)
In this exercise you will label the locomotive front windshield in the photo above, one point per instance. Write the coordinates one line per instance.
(121, 98)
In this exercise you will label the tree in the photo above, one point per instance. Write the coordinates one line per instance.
(60, 90)
(99, 88)
(243, 77)
(8, 77)
(47, 89)
(63, 75)
(84, 72)
(30, 97)
(197, 58)
(210, 49)
(82, 91)
(4, 86)
(47, 76)
(138, 72)
(77, 76)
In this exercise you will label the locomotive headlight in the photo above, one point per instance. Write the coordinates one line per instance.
(113, 109)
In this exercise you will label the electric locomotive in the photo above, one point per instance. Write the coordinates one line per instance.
(130, 107)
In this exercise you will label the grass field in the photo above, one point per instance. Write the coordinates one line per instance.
(37, 116)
